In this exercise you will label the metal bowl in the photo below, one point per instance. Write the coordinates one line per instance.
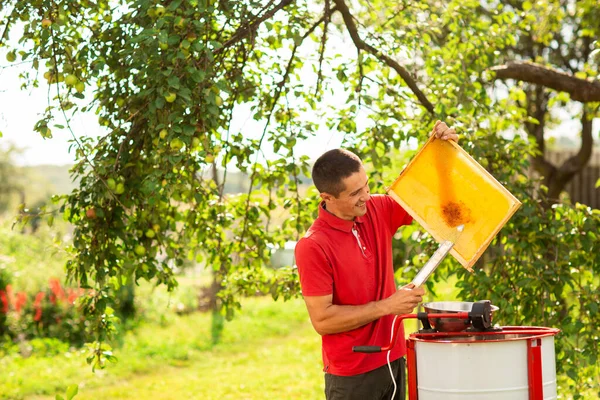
(450, 324)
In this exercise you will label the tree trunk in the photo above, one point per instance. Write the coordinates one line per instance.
(555, 178)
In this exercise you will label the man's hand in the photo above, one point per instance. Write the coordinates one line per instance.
(404, 300)
(442, 131)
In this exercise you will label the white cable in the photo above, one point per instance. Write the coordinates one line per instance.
(388, 358)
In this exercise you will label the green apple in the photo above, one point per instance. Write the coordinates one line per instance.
(140, 250)
(71, 80)
(11, 56)
(163, 133)
(218, 101)
(176, 144)
(156, 227)
(171, 97)
(80, 87)
(46, 23)
(150, 233)
(111, 183)
(209, 158)
(163, 45)
(120, 189)
(159, 11)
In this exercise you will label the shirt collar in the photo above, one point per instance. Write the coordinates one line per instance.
(335, 222)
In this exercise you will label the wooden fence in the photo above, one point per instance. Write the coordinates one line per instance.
(582, 188)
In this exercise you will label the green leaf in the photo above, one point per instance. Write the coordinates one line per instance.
(59, 397)
(72, 391)
(173, 40)
(173, 82)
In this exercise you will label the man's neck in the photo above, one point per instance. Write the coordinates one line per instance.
(334, 214)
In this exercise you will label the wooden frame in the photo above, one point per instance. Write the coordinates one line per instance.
(469, 246)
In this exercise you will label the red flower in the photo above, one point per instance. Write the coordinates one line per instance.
(57, 291)
(37, 304)
(21, 301)
(10, 294)
(4, 300)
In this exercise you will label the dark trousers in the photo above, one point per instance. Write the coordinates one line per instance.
(372, 385)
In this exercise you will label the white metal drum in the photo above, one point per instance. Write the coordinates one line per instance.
(481, 367)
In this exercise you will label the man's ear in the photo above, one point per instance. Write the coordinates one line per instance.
(326, 196)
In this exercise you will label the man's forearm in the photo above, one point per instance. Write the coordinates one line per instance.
(336, 318)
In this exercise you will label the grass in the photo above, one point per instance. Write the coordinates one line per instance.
(268, 351)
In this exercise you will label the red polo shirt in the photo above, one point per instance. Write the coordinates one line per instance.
(331, 261)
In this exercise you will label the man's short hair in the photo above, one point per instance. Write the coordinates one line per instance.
(332, 168)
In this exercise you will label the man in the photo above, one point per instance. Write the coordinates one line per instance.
(347, 278)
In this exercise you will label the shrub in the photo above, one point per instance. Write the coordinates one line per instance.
(47, 314)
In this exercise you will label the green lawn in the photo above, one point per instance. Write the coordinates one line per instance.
(268, 351)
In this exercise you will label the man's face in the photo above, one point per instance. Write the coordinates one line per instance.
(352, 201)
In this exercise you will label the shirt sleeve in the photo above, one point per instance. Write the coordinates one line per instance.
(397, 215)
(316, 274)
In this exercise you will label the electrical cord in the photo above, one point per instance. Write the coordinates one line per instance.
(388, 359)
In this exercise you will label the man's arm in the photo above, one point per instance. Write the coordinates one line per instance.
(328, 318)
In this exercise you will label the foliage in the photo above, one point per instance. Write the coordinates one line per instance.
(167, 79)
(72, 391)
(143, 205)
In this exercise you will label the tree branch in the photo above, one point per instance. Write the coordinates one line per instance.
(278, 91)
(327, 18)
(576, 163)
(582, 90)
(249, 29)
(362, 45)
(537, 108)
